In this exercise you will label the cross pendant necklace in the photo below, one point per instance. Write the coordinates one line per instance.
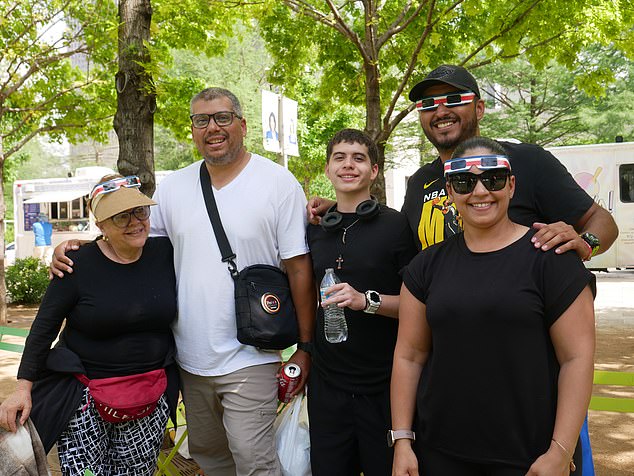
(339, 260)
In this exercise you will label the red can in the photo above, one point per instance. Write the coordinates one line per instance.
(289, 379)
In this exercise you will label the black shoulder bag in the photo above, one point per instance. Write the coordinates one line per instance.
(265, 314)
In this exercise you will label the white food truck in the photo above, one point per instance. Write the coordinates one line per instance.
(606, 172)
(63, 200)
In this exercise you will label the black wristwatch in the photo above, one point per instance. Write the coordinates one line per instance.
(306, 347)
(593, 243)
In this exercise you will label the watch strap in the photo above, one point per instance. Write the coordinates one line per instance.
(593, 243)
(306, 347)
(393, 435)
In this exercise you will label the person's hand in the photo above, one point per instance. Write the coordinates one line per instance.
(405, 462)
(19, 400)
(316, 208)
(552, 463)
(561, 236)
(344, 295)
(302, 359)
(61, 263)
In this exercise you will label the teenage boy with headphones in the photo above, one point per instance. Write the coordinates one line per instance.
(367, 244)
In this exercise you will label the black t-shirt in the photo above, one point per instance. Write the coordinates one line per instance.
(489, 388)
(544, 192)
(118, 316)
(374, 254)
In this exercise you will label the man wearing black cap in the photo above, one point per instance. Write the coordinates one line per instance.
(547, 197)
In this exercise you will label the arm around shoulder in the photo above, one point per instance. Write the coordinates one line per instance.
(62, 264)
(598, 221)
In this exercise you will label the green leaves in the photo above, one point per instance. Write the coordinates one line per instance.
(55, 56)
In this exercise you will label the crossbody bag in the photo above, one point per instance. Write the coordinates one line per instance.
(265, 313)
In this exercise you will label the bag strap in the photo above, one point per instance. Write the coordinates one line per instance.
(228, 256)
(83, 379)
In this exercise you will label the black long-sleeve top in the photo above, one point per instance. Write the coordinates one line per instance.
(118, 316)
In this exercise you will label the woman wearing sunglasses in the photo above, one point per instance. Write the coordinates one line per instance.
(496, 340)
(104, 392)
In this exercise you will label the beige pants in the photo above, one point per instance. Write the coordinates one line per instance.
(43, 253)
(230, 421)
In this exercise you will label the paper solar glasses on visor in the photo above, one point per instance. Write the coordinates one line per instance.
(495, 171)
(431, 103)
(115, 184)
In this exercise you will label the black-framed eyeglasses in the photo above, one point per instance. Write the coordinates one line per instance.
(123, 219)
(493, 180)
(431, 103)
(221, 118)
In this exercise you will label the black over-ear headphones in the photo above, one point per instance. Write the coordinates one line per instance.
(366, 210)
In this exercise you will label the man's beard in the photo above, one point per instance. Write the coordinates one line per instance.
(468, 129)
(223, 160)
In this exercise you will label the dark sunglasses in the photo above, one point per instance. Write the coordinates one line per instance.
(493, 180)
(123, 219)
(431, 103)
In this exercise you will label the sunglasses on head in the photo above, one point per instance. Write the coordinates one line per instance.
(465, 182)
(115, 184)
(431, 103)
(123, 219)
(483, 162)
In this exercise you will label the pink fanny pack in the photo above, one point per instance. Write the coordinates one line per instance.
(120, 399)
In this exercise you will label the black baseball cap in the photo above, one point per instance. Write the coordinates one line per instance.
(453, 75)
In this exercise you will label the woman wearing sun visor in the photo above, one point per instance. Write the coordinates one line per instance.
(496, 339)
(105, 391)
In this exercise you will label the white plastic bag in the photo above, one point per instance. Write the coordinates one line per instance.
(293, 439)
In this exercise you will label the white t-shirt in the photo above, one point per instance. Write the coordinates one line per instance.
(263, 212)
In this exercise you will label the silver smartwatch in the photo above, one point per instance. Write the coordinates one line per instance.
(393, 435)
(372, 302)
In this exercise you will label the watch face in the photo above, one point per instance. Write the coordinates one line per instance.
(592, 240)
(374, 297)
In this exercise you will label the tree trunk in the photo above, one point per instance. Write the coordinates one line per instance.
(136, 98)
(373, 125)
(3, 284)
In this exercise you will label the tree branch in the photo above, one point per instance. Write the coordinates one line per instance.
(502, 32)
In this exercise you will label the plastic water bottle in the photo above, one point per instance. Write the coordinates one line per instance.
(335, 326)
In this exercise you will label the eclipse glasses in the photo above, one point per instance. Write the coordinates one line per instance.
(431, 103)
(115, 184)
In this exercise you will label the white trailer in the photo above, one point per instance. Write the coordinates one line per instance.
(64, 202)
(606, 173)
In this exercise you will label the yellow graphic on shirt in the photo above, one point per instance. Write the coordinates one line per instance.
(439, 219)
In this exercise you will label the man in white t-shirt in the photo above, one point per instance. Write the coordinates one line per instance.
(230, 389)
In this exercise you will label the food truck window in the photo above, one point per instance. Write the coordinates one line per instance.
(63, 210)
(77, 208)
(626, 182)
